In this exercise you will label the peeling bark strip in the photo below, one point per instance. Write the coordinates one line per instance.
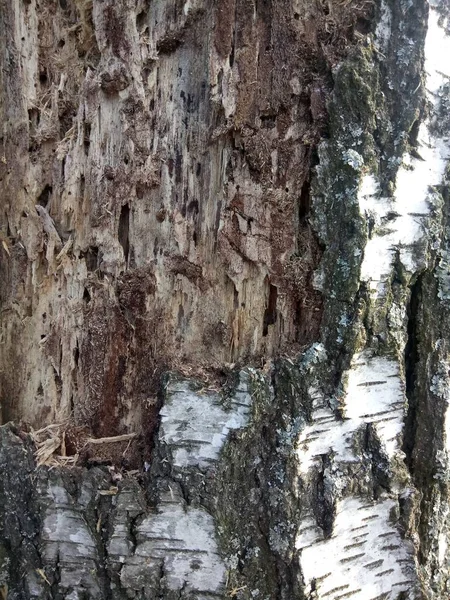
(196, 186)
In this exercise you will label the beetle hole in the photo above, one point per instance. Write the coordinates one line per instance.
(270, 315)
(44, 196)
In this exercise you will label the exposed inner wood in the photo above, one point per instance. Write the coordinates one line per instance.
(155, 196)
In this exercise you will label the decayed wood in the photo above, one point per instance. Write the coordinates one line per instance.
(170, 171)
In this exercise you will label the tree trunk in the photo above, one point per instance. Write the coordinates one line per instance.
(225, 299)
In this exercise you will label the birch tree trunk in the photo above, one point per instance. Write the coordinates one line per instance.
(225, 299)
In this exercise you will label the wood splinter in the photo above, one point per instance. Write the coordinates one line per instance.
(111, 440)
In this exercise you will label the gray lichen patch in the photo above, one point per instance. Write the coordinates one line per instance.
(335, 214)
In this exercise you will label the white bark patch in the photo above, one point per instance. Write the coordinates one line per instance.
(180, 543)
(384, 27)
(374, 394)
(364, 558)
(129, 504)
(195, 425)
(177, 545)
(68, 542)
(442, 548)
(399, 221)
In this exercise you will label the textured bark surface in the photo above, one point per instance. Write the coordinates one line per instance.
(224, 238)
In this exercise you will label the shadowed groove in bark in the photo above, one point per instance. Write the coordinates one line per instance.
(412, 358)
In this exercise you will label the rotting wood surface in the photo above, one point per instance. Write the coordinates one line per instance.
(155, 192)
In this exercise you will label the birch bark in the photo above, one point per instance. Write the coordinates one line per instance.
(224, 295)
